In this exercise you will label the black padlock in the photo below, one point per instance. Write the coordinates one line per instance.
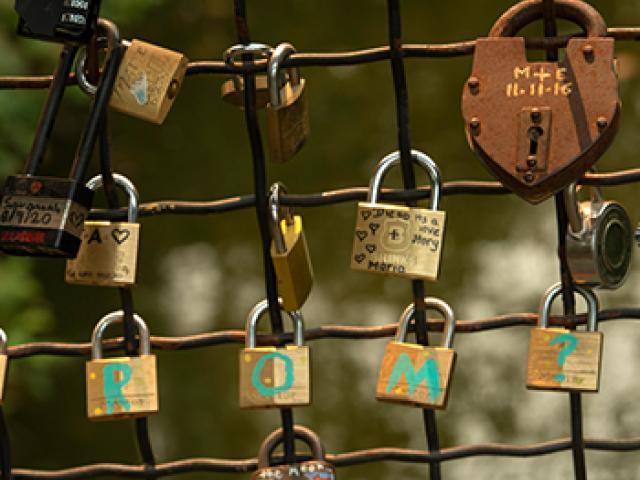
(57, 20)
(44, 216)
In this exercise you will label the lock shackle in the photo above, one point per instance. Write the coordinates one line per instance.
(4, 347)
(110, 38)
(392, 160)
(586, 293)
(259, 310)
(114, 317)
(125, 184)
(252, 48)
(527, 11)
(431, 303)
(275, 438)
(278, 213)
(576, 221)
(279, 55)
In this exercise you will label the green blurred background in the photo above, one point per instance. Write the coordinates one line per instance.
(203, 273)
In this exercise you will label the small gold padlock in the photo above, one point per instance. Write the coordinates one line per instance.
(398, 240)
(414, 374)
(121, 387)
(4, 363)
(290, 253)
(270, 376)
(232, 90)
(562, 359)
(288, 109)
(148, 81)
(108, 254)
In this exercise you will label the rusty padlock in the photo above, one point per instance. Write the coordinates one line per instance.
(538, 126)
(316, 469)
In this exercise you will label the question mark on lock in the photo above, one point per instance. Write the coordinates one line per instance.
(571, 344)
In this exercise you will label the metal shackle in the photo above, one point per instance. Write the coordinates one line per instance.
(253, 49)
(259, 310)
(127, 185)
(3, 342)
(553, 292)
(278, 213)
(527, 11)
(431, 303)
(280, 54)
(111, 36)
(275, 438)
(392, 160)
(575, 217)
(114, 317)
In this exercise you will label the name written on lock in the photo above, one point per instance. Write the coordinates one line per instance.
(539, 82)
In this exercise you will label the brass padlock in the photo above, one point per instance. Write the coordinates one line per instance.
(561, 359)
(539, 126)
(288, 109)
(148, 81)
(108, 254)
(316, 469)
(232, 90)
(270, 376)
(398, 240)
(414, 374)
(599, 240)
(289, 252)
(121, 387)
(4, 363)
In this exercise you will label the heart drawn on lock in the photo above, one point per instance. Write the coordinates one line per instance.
(120, 235)
(76, 219)
(360, 257)
(361, 234)
(374, 227)
(370, 247)
(365, 214)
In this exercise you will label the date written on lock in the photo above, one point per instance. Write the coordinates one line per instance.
(398, 240)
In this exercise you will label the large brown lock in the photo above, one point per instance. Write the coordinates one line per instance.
(316, 469)
(538, 126)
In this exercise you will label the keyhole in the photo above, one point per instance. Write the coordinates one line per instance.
(534, 134)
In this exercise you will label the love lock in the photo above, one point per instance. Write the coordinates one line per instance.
(538, 126)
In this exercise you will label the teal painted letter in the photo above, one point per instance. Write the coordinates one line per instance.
(112, 388)
(428, 373)
(288, 374)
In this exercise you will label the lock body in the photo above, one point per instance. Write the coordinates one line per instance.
(275, 377)
(232, 91)
(43, 216)
(416, 375)
(566, 360)
(399, 241)
(148, 81)
(57, 20)
(121, 387)
(601, 254)
(288, 123)
(108, 255)
(311, 470)
(294, 271)
(538, 126)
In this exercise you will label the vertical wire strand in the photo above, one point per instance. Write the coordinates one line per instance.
(5, 446)
(568, 302)
(409, 181)
(260, 189)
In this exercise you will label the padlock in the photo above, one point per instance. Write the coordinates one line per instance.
(108, 255)
(148, 80)
(289, 252)
(270, 376)
(539, 126)
(121, 387)
(4, 363)
(57, 20)
(232, 90)
(288, 109)
(562, 359)
(414, 374)
(43, 216)
(316, 469)
(398, 240)
(599, 240)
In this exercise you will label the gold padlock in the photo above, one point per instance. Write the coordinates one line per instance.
(288, 109)
(270, 376)
(148, 81)
(232, 90)
(398, 240)
(121, 387)
(289, 252)
(108, 254)
(4, 363)
(414, 374)
(562, 359)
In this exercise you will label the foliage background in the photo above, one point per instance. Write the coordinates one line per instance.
(203, 273)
